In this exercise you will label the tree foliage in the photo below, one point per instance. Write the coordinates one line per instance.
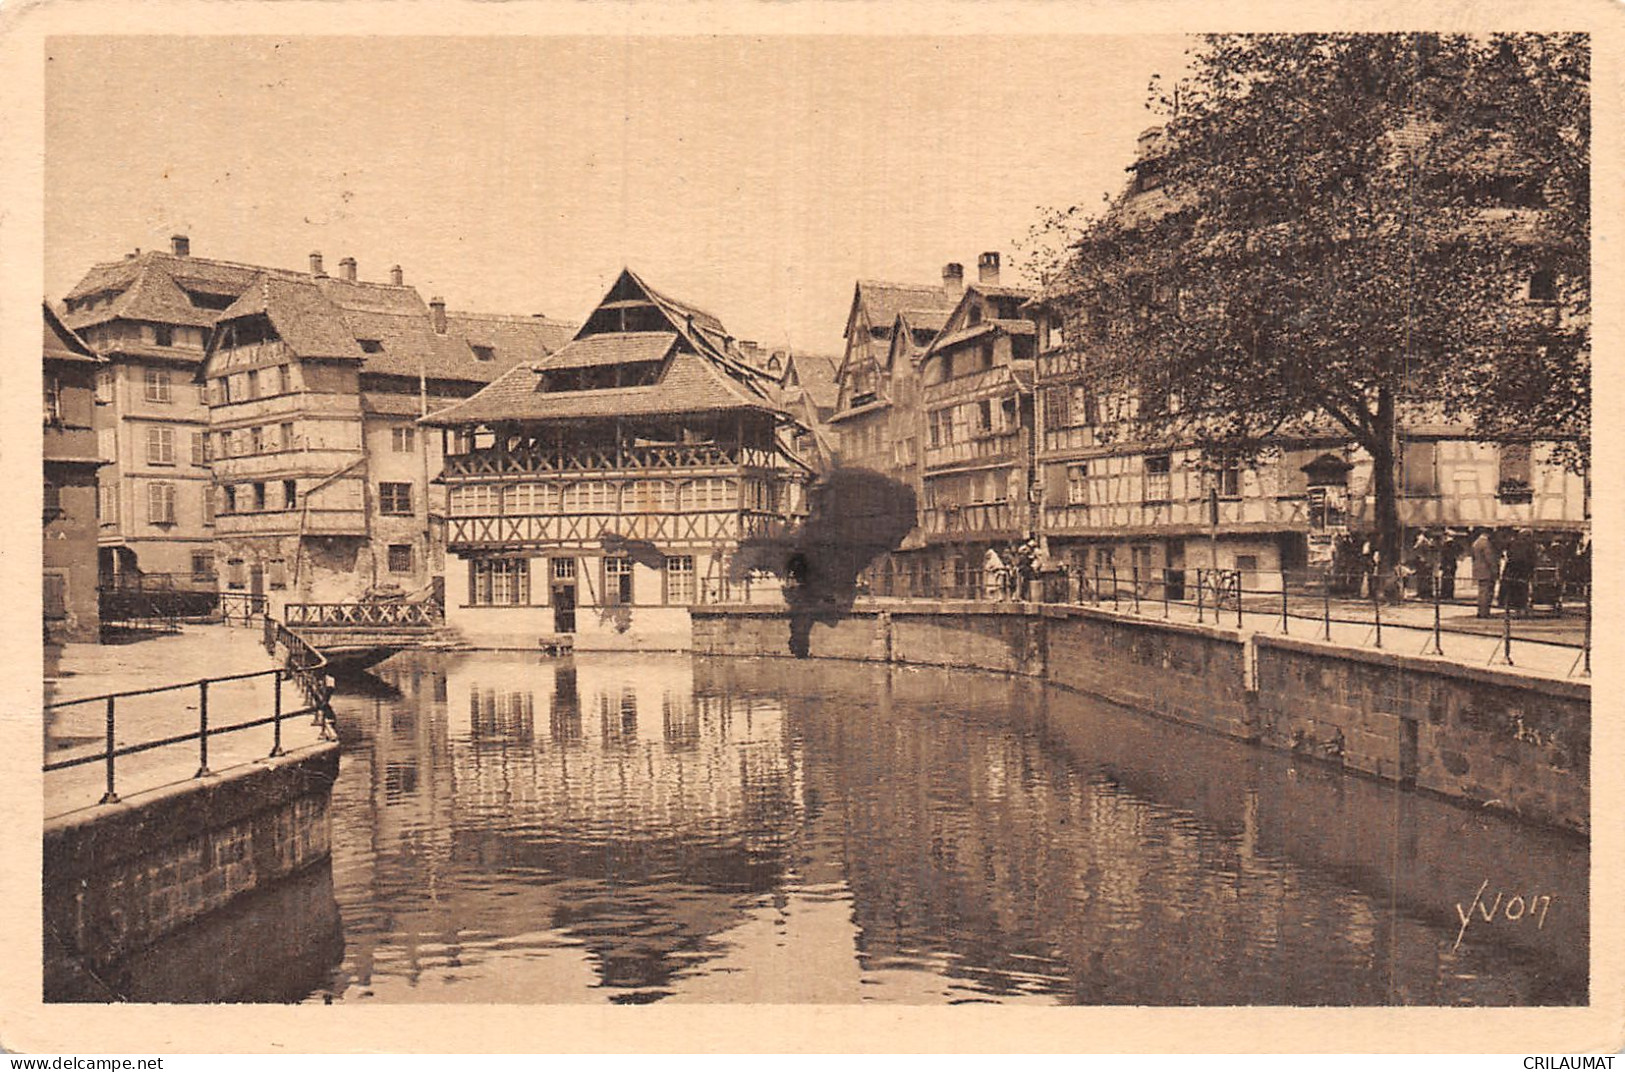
(1339, 232)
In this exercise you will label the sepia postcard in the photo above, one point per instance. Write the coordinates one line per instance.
(811, 527)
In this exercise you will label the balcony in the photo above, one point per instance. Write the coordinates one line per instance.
(972, 385)
(1179, 516)
(313, 522)
(994, 521)
(687, 458)
(536, 530)
(988, 446)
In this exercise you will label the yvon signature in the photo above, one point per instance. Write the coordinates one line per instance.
(1514, 909)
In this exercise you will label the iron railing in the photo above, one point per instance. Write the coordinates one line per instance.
(302, 665)
(1551, 616)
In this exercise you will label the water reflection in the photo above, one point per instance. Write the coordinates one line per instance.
(638, 828)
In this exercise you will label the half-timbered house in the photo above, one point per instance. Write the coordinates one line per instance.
(601, 491)
(323, 478)
(976, 450)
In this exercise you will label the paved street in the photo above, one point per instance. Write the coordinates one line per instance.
(198, 651)
(1549, 646)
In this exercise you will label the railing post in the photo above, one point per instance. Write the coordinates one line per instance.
(203, 730)
(1165, 574)
(1376, 605)
(1588, 632)
(1284, 630)
(1201, 595)
(1438, 648)
(276, 713)
(1326, 604)
(1114, 585)
(1506, 631)
(1097, 581)
(111, 796)
(1238, 601)
(1136, 575)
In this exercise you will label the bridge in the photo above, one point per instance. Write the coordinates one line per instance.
(354, 636)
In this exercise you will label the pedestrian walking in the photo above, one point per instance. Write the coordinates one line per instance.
(1486, 570)
(1519, 571)
(992, 575)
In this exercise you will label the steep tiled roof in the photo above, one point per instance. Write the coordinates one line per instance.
(986, 327)
(690, 384)
(323, 317)
(524, 337)
(301, 314)
(61, 344)
(815, 375)
(152, 286)
(882, 301)
(624, 348)
(927, 319)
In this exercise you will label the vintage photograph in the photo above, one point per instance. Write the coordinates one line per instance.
(818, 519)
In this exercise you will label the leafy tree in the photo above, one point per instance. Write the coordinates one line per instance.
(1333, 234)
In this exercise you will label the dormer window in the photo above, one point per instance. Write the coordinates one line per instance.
(973, 315)
(483, 353)
(163, 335)
(371, 346)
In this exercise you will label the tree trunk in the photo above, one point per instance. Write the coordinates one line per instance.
(1385, 489)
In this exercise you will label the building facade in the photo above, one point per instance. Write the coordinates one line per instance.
(1123, 503)
(976, 455)
(600, 492)
(877, 421)
(71, 459)
(150, 315)
(323, 479)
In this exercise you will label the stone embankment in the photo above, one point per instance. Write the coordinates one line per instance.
(1494, 737)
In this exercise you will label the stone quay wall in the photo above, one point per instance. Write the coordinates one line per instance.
(1514, 742)
(121, 877)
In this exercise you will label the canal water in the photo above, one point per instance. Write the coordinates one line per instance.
(635, 828)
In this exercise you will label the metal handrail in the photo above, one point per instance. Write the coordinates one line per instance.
(303, 665)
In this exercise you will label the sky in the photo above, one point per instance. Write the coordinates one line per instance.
(755, 177)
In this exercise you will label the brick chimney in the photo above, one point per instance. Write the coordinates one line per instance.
(396, 276)
(347, 269)
(180, 245)
(953, 280)
(316, 265)
(437, 314)
(987, 268)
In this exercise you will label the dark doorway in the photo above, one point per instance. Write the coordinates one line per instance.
(564, 607)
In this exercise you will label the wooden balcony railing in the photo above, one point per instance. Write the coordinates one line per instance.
(362, 615)
(987, 445)
(625, 459)
(545, 529)
(969, 520)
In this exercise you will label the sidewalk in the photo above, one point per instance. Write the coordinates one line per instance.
(1543, 646)
(197, 651)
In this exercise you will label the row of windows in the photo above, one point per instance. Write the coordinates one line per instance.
(242, 442)
(255, 383)
(497, 582)
(962, 423)
(255, 498)
(273, 572)
(160, 502)
(599, 496)
(1419, 472)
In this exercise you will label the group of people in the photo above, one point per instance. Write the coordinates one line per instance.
(1506, 564)
(1006, 576)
